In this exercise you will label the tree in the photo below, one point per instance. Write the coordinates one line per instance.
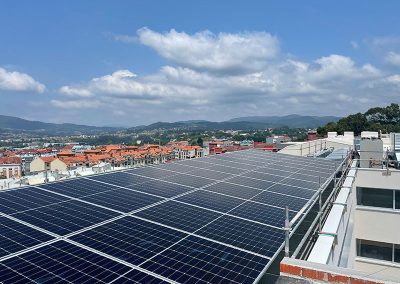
(200, 141)
(386, 119)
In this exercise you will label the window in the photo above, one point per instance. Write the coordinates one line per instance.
(375, 197)
(375, 250)
(397, 198)
(397, 253)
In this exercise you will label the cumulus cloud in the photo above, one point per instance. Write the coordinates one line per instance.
(393, 58)
(75, 92)
(217, 76)
(223, 52)
(77, 104)
(16, 81)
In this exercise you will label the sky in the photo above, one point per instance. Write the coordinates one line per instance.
(128, 63)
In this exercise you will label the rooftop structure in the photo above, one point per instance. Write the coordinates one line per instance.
(216, 219)
(357, 238)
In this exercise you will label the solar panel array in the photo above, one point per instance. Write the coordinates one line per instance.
(210, 220)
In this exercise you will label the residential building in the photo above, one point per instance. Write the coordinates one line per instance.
(10, 167)
(47, 164)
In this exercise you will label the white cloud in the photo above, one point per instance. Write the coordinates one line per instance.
(224, 52)
(125, 38)
(16, 81)
(224, 75)
(77, 104)
(75, 92)
(393, 79)
(393, 58)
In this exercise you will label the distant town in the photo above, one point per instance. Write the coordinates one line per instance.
(29, 161)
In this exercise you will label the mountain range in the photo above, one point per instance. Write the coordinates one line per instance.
(243, 123)
(15, 125)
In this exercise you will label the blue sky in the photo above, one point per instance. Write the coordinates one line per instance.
(137, 62)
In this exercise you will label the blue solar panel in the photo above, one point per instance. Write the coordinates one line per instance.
(15, 236)
(195, 260)
(233, 190)
(262, 213)
(121, 179)
(178, 215)
(272, 198)
(250, 236)
(66, 217)
(121, 199)
(60, 262)
(138, 277)
(292, 190)
(256, 183)
(17, 200)
(181, 166)
(214, 234)
(130, 239)
(230, 170)
(77, 187)
(301, 183)
(154, 173)
(161, 188)
(211, 200)
(264, 176)
(210, 174)
(189, 180)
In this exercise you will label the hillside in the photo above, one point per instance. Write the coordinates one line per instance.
(385, 119)
(293, 121)
(15, 124)
(242, 123)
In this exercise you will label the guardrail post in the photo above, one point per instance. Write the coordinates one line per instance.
(320, 212)
(287, 231)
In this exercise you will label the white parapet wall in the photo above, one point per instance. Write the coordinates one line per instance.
(329, 245)
(314, 146)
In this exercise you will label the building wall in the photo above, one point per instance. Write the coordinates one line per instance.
(376, 224)
(10, 170)
(311, 147)
(37, 165)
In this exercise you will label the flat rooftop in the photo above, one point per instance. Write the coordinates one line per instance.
(207, 220)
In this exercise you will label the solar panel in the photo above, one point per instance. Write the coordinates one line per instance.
(139, 277)
(213, 220)
(161, 188)
(178, 215)
(121, 179)
(189, 180)
(264, 176)
(60, 262)
(151, 172)
(211, 200)
(262, 213)
(66, 217)
(250, 236)
(256, 183)
(195, 260)
(300, 183)
(17, 200)
(234, 190)
(276, 199)
(129, 239)
(77, 187)
(123, 200)
(292, 190)
(15, 236)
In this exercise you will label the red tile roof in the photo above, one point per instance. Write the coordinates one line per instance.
(10, 160)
